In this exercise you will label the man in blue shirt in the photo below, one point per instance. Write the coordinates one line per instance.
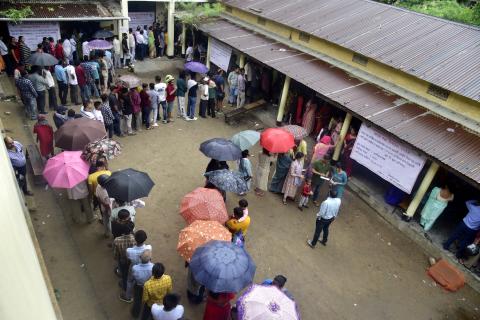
(328, 212)
(61, 76)
(19, 162)
(466, 230)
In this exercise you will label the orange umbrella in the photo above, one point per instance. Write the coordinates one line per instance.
(199, 233)
(203, 204)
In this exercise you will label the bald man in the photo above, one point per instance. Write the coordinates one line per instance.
(19, 162)
(140, 274)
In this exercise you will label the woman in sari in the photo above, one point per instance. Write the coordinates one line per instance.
(436, 203)
(336, 127)
(294, 178)
(322, 148)
(349, 142)
(308, 121)
(152, 51)
(283, 166)
(265, 160)
(245, 169)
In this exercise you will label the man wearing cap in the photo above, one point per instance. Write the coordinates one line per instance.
(170, 96)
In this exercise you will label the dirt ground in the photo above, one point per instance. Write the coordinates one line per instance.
(368, 270)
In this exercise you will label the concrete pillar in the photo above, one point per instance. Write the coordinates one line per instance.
(422, 189)
(241, 62)
(343, 133)
(171, 28)
(123, 25)
(184, 40)
(283, 100)
(209, 50)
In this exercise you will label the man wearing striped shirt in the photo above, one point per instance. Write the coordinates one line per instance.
(328, 212)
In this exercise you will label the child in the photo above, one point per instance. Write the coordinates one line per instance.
(306, 193)
(243, 203)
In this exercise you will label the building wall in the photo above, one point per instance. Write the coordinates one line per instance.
(465, 106)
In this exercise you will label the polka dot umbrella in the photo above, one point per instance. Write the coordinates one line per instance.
(203, 204)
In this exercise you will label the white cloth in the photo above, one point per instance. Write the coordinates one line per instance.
(329, 208)
(3, 48)
(117, 48)
(71, 75)
(74, 44)
(85, 48)
(139, 37)
(98, 115)
(204, 91)
(67, 49)
(191, 83)
(80, 191)
(130, 209)
(48, 76)
(161, 88)
(159, 314)
(131, 40)
(134, 253)
(189, 54)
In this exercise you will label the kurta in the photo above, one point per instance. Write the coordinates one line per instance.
(45, 138)
(341, 178)
(283, 166)
(293, 179)
(263, 170)
(433, 208)
(308, 121)
(245, 169)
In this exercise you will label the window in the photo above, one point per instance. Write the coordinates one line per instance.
(261, 21)
(358, 58)
(304, 37)
(438, 92)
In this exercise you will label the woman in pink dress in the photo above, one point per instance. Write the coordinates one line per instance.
(322, 148)
(294, 178)
(308, 121)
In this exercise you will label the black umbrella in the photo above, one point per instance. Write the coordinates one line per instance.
(221, 149)
(102, 34)
(128, 185)
(42, 59)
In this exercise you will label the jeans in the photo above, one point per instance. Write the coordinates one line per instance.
(146, 116)
(191, 107)
(84, 93)
(92, 90)
(321, 225)
(203, 108)
(31, 107)
(62, 92)
(181, 106)
(464, 234)
(154, 110)
(211, 107)
(240, 99)
(21, 174)
(41, 101)
(232, 97)
(164, 110)
(316, 190)
(52, 98)
(109, 129)
(74, 94)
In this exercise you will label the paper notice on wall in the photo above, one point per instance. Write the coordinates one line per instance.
(389, 158)
(141, 19)
(220, 54)
(33, 32)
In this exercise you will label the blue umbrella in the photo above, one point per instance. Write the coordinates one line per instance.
(221, 149)
(222, 266)
(196, 67)
(227, 180)
(246, 139)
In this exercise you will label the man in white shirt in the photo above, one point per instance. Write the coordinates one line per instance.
(67, 50)
(117, 51)
(85, 50)
(328, 212)
(131, 44)
(189, 53)
(72, 83)
(52, 95)
(169, 310)
(161, 88)
(73, 42)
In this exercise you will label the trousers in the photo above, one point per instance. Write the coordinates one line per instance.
(321, 225)
(464, 235)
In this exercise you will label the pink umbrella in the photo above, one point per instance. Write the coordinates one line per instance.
(66, 170)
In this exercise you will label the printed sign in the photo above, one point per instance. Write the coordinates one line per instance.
(220, 54)
(387, 157)
(141, 19)
(33, 32)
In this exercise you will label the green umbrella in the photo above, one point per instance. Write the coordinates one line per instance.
(246, 139)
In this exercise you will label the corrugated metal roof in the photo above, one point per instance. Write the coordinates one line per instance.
(442, 52)
(57, 9)
(441, 139)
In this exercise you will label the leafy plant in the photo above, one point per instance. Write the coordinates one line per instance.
(17, 15)
(192, 14)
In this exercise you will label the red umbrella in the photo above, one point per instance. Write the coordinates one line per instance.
(203, 204)
(277, 140)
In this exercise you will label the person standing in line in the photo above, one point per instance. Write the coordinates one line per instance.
(265, 160)
(170, 91)
(320, 172)
(117, 52)
(120, 246)
(107, 115)
(44, 132)
(238, 223)
(294, 178)
(102, 63)
(25, 51)
(52, 95)
(127, 111)
(82, 82)
(67, 50)
(115, 107)
(125, 54)
(181, 91)
(146, 106)
(85, 50)
(105, 204)
(72, 83)
(232, 80)
(15, 52)
(218, 306)
(155, 289)
(90, 79)
(327, 214)
(79, 203)
(161, 88)
(203, 97)
(59, 51)
(6, 57)
(19, 163)
(212, 95)
(284, 160)
(154, 103)
(192, 87)
(241, 88)
(152, 51)
(339, 180)
(131, 44)
(62, 81)
(220, 93)
(189, 53)
(245, 169)
(41, 86)
(96, 74)
(169, 310)
(438, 200)
(73, 42)
(140, 44)
(27, 94)
(136, 109)
(141, 273)
(162, 42)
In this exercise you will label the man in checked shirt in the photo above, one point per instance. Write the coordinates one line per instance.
(120, 245)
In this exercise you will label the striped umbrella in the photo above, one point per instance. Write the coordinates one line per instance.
(203, 204)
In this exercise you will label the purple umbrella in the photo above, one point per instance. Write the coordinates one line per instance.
(99, 45)
(196, 67)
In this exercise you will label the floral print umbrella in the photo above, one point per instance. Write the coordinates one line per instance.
(199, 233)
(298, 132)
(203, 204)
(105, 147)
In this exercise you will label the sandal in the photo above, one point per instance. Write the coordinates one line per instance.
(284, 202)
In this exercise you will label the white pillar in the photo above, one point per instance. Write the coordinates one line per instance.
(241, 63)
(422, 189)
(209, 50)
(343, 133)
(123, 25)
(283, 100)
(184, 40)
(171, 28)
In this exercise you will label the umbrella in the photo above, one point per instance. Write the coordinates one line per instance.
(298, 132)
(222, 266)
(105, 147)
(221, 149)
(203, 204)
(263, 302)
(227, 180)
(277, 140)
(99, 45)
(199, 233)
(196, 67)
(102, 34)
(246, 139)
(75, 134)
(66, 170)
(129, 81)
(42, 59)
(128, 185)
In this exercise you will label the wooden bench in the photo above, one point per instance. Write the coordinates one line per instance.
(36, 164)
(231, 115)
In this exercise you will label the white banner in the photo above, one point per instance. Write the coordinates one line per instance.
(141, 19)
(220, 54)
(387, 157)
(33, 32)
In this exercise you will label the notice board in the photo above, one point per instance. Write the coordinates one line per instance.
(33, 32)
(141, 19)
(220, 54)
(389, 158)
